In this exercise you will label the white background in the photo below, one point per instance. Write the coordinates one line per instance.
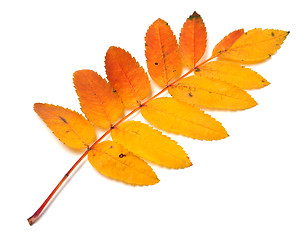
(248, 186)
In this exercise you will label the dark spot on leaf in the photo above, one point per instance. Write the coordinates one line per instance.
(190, 94)
(194, 15)
(67, 131)
(122, 155)
(114, 90)
(272, 34)
(263, 80)
(174, 70)
(246, 33)
(269, 55)
(197, 69)
(156, 63)
(111, 146)
(63, 119)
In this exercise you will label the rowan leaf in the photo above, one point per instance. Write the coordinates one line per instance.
(227, 41)
(101, 105)
(211, 93)
(114, 161)
(233, 73)
(182, 118)
(126, 76)
(162, 54)
(68, 126)
(214, 85)
(192, 41)
(255, 45)
(150, 144)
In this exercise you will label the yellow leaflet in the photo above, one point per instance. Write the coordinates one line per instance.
(114, 161)
(181, 118)
(211, 93)
(68, 126)
(233, 73)
(255, 45)
(150, 144)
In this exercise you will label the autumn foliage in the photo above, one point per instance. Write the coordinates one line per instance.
(195, 85)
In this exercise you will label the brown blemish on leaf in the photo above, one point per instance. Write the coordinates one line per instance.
(194, 15)
(63, 119)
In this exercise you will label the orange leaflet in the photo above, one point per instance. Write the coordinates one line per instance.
(126, 76)
(99, 102)
(192, 42)
(162, 54)
(227, 41)
(68, 126)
